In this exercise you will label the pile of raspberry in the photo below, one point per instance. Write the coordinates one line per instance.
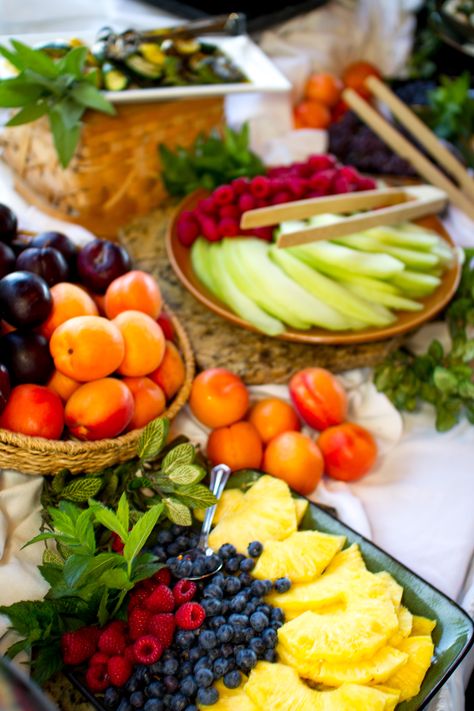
(180, 636)
(218, 215)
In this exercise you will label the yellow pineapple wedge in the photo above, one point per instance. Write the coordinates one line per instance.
(395, 590)
(228, 503)
(301, 506)
(393, 696)
(422, 626)
(375, 670)
(405, 625)
(409, 678)
(231, 700)
(347, 561)
(279, 688)
(266, 513)
(354, 697)
(301, 557)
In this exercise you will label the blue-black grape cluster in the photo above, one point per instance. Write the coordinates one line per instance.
(240, 628)
(415, 93)
(354, 143)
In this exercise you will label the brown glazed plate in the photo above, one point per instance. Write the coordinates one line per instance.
(180, 259)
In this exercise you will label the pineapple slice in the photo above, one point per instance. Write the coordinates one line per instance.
(410, 677)
(228, 503)
(422, 626)
(354, 633)
(405, 625)
(301, 506)
(279, 688)
(375, 670)
(347, 561)
(301, 557)
(230, 700)
(355, 697)
(266, 513)
(393, 696)
(395, 590)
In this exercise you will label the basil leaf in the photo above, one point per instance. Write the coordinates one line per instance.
(35, 59)
(65, 140)
(74, 61)
(91, 97)
(71, 113)
(13, 58)
(14, 94)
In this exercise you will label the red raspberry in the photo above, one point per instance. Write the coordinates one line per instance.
(187, 228)
(230, 211)
(260, 187)
(246, 202)
(120, 670)
(297, 186)
(149, 585)
(79, 645)
(240, 185)
(147, 649)
(227, 227)
(98, 658)
(137, 597)
(321, 162)
(184, 591)
(223, 195)
(281, 197)
(207, 205)
(112, 638)
(209, 228)
(130, 654)
(117, 543)
(163, 576)
(160, 600)
(162, 627)
(366, 184)
(137, 622)
(167, 327)
(190, 616)
(265, 233)
(321, 182)
(97, 678)
(340, 185)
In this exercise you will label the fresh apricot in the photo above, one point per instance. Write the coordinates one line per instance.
(69, 301)
(273, 416)
(144, 343)
(218, 397)
(34, 410)
(238, 445)
(87, 348)
(171, 372)
(149, 401)
(62, 385)
(136, 291)
(323, 87)
(295, 458)
(355, 74)
(99, 409)
(349, 451)
(311, 114)
(318, 397)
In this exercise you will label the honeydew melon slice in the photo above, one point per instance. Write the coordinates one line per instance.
(411, 257)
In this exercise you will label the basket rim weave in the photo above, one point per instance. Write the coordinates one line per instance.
(42, 453)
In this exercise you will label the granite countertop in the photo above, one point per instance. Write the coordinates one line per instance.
(216, 342)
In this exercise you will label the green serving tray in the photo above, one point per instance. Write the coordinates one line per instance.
(453, 635)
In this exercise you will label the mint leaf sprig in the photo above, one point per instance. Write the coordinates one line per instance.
(61, 89)
(160, 473)
(445, 379)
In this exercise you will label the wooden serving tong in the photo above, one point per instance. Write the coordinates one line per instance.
(392, 205)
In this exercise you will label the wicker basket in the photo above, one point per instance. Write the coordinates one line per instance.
(36, 455)
(115, 173)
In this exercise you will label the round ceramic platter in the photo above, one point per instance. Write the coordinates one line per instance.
(180, 259)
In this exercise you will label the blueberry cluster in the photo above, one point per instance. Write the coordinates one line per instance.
(239, 629)
(173, 542)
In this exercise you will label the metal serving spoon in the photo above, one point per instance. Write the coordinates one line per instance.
(218, 479)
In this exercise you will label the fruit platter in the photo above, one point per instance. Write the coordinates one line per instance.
(89, 353)
(359, 288)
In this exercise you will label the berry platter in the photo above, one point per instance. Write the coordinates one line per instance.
(180, 258)
(453, 635)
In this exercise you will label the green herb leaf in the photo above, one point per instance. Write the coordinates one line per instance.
(86, 94)
(445, 380)
(141, 532)
(143, 572)
(109, 519)
(102, 612)
(65, 139)
(196, 496)
(14, 94)
(153, 439)
(140, 482)
(47, 661)
(178, 512)
(116, 579)
(74, 61)
(82, 489)
(182, 454)
(35, 59)
(187, 474)
(17, 647)
(123, 511)
(52, 558)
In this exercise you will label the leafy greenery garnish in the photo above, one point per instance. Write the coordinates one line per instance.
(168, 474)
(211, 161)
(60, 89)
(443, 379)
(451, 114)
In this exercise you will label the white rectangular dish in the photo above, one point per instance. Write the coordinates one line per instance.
(262, 74)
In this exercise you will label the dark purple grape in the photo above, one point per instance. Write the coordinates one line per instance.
(100, 262)
(25, 299)
(46, 262)
(8, 224)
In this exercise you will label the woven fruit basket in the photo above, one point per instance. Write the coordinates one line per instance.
(114, 175)
(40, 456)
